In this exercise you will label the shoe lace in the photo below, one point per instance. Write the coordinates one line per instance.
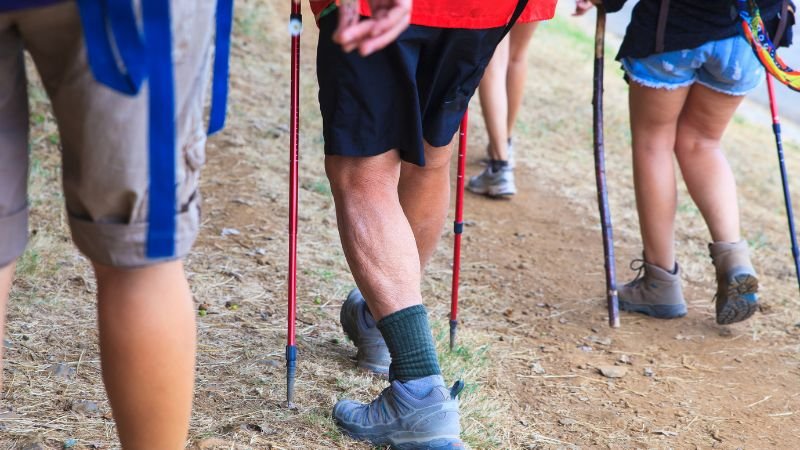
(378, 409)
(637, 265)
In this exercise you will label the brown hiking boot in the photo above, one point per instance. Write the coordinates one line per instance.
(654, 292)
(737, 284)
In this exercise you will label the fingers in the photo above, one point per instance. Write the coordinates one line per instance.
(389, 19)
(348, 18)
(582, 6)
(353, 35)
(385, 30)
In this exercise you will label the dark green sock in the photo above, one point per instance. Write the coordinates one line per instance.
(408, 336)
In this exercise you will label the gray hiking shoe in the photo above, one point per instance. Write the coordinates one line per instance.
(737, 284)
(360, 327)
(654, 292)
(493, 184)
(402, 420)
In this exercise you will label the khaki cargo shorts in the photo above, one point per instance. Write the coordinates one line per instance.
(103, 133)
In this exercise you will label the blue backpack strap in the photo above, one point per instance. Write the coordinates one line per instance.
(222, 50)
(149, 56)
(161, 89)
(96, 18)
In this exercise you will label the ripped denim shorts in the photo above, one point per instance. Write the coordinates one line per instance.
(727, 65)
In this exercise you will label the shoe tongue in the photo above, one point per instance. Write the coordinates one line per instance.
(458, 386)
(421, 387)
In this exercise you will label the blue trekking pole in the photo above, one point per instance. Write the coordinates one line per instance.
(295, 28)
(776, 128)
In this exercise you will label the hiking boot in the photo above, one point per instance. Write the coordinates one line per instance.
(654, 292)
(493, 184)
(737, 285)
(403, 419)
(360, 327)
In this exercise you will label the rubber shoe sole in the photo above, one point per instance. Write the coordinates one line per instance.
(657, 311)
(493, 193)
(407, 441)
(743, 303)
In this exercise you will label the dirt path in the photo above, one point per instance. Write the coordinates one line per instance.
(533, 331)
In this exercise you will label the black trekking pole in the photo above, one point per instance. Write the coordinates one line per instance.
(787, 198)
(600, 169)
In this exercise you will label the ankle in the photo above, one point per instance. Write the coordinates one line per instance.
(410, 343)
(497, 165)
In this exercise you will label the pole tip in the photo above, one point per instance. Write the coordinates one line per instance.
(453, 329)
(291, 371)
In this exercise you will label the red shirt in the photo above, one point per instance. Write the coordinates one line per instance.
(464, 13)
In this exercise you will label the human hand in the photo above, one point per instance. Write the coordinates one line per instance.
(389, 19)
(583, 6)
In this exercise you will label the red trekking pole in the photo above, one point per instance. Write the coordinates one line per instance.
(295, 28)
(458, 225)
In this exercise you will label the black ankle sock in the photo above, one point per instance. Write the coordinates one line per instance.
(408, 337)
(497, 164)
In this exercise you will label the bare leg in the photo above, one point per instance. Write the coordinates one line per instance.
(520, 36)
(654, 117)
(494, 101)
(705, 169)
(424, 194)
(376, 236)
(6, 276)
(147, 350)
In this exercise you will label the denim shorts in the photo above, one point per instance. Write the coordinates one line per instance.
(728, 66)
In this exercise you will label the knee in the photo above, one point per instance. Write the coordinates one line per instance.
(360, 176)
(437, 157)
(517, 60)
(690, 143)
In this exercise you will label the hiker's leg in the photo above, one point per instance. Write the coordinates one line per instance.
(654, 116)
(382, 254)
(145, 318)
(6, 276)
(13, 164)
(520, 37)
(147, 348)
(376, 235)
(424, 194)
(706, 171)
(494, 101)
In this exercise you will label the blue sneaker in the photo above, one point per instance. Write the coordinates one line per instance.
(360, 327)
(403, 418)
(737, 284)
